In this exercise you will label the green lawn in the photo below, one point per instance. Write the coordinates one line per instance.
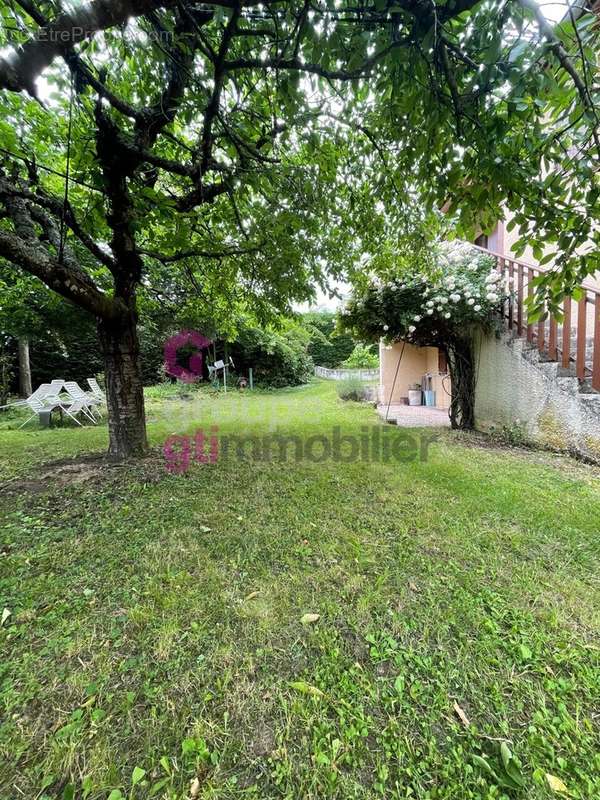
(156, 645)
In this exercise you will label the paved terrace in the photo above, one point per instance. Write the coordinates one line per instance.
(415, 416)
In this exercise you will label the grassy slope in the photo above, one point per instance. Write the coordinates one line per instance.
(156, 619)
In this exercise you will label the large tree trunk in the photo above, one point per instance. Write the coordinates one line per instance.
(24, 368)
(124, 390)
(461, 362)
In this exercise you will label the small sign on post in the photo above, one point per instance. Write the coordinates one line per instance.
(222, 365)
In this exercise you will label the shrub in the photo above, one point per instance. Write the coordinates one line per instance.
(362, 357)
(70, 349)
(327, 347)
(152, 357)
(277, 359)
(352, 389)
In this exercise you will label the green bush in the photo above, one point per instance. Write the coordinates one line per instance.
(352, 389)
(327, 346)
(152, 357)
(277, 359)
(69, 349)
(362, 357)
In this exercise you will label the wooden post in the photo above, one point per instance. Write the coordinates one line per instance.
(566, 337)
(541, 334)
(510, 295)
(552, 338)
(520, 299)
(541, 330)
(530, 277)
(581, 335)
(596, 356)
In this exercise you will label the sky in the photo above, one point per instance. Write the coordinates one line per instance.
(555, 11)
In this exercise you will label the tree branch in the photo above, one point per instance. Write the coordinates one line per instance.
(55, 206)
(202, 194)
(116, 170)
(298, 64)
(564, 60)
(19, 71)
(232, 251)
(35, 259)
(219, 77)
(180, 60)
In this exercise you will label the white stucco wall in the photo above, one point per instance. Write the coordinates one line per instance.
(513, 392)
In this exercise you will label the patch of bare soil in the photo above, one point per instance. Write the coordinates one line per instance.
(97, 467)
(60, 473)
(72, 471)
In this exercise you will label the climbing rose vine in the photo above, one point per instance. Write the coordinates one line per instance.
(463, 288)
(460, 294)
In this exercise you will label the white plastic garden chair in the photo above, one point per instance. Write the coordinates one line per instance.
(88, 402)
(75, 406)
(56, 387)
(96, 390)
(41, 402)
(43, 390)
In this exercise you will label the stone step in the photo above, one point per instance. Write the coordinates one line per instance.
(587, 399)
(585, 387)
(553, 369)
(568, 385)
(591, 402)
(534, 356)
(549, 369)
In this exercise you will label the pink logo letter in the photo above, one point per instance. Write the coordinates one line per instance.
(172, 345)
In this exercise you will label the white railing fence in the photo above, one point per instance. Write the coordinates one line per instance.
(344, 374)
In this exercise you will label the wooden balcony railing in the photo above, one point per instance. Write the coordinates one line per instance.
(575, 343)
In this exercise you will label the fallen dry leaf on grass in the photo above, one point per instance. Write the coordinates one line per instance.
(461, 715)
(307, 619)
(194, 788)
(5, 616)
(251, 596)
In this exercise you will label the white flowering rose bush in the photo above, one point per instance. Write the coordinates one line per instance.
(443, 307)
(462, 289)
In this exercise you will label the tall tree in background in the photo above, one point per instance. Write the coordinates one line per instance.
(24, 367)
(196, 133)
(19, 319)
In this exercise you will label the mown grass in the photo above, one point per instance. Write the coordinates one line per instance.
(156, 647)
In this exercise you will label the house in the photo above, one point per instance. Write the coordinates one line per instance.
(542, 378)
(574, 345)
(403, 365)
